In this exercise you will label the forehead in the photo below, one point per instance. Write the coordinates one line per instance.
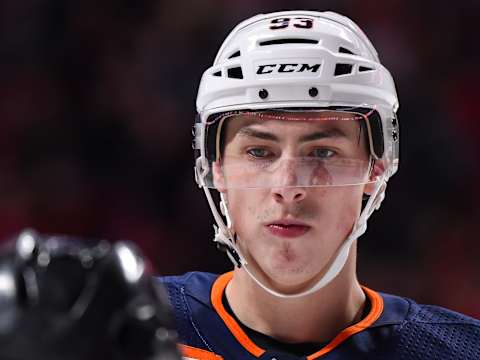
(287, 124)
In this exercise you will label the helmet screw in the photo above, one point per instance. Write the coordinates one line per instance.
(313, 91)
(263, 94)
(395, 135)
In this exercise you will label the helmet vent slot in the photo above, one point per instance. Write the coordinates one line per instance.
(235, 73)
(217, 73)
(364, 68)
(343, 50)
(343, 69)
(235, 54)
(288, 41)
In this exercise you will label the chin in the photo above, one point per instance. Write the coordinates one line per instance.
(290, 274)
(290, 283)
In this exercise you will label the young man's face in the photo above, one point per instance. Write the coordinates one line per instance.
(274, 173)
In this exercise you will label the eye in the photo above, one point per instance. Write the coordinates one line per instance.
(259, 153)
(322, 153)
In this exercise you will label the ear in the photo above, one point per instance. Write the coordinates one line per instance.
(218, 177)
(377, 170)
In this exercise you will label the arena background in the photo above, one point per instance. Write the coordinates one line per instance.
(96, 107)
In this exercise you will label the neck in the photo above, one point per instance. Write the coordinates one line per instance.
(317, 317)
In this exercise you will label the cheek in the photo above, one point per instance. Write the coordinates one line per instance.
(245, 209)
(218, 177)
(341, 207)
(238, 206)
(352, 205)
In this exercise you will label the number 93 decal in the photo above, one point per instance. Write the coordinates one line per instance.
(298, 22)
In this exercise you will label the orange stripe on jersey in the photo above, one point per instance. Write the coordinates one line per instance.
(190, 352)
(216, 297)
(220, 284)
(375, 312)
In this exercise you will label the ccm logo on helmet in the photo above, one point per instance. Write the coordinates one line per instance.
(286, 68)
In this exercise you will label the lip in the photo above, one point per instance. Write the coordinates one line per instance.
(288, 228)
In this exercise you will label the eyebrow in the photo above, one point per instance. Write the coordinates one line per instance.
(318, 135)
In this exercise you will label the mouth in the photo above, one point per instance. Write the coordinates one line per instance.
(288, 228)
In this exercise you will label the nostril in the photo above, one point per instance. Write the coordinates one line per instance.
(299, 196)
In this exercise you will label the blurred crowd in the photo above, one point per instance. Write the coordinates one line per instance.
(97, 100)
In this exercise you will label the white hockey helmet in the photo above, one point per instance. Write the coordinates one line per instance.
(291, 60)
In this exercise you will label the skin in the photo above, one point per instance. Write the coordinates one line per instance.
(292, 264)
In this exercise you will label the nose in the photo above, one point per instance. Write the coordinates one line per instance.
(289, 195)
(288, 190)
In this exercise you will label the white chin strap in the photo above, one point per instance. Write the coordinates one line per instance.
(225, 236)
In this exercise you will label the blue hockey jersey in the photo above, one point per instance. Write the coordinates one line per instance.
(395, 328)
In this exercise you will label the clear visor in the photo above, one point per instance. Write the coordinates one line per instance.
(270, 149)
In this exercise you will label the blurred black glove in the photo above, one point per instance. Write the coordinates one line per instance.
(62, 298)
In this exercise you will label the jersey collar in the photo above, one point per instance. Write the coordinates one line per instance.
(218, 289)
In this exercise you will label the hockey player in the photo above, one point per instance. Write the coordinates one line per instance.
(296, 138)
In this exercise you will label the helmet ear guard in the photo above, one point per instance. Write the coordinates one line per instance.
(296, 61)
